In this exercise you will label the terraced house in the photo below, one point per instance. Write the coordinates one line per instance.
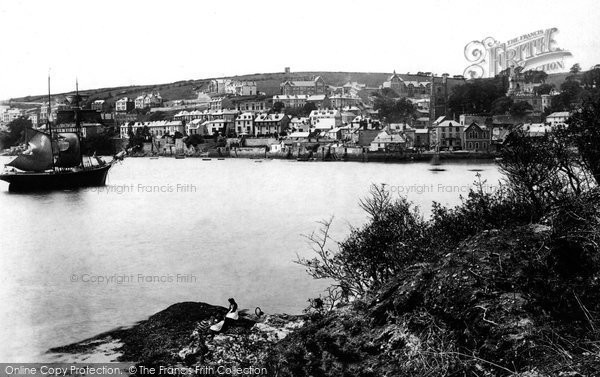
(269, 124)
(244, 124)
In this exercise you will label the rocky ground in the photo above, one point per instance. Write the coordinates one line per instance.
(179, 336)
(479, 310)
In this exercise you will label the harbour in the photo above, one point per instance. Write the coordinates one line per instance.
(103, 257)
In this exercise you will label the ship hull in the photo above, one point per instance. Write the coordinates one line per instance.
(66, 180)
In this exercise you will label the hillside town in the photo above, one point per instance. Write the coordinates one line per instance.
(407, 114)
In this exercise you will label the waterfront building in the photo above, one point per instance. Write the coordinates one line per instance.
(421, 138)
(447, 134)
(325, 119)
(269, 124)
(301, 124)
(215, 126)
(387, 141)
(157, 128)
(366, 137)
(308, 87)
(195, 127)
(477, 138)
(244, 124)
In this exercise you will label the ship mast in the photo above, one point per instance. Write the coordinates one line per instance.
(77, 122)
(48, 123)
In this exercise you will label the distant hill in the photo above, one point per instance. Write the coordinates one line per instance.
(266, 82)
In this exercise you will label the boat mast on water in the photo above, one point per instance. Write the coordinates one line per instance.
(54, 159)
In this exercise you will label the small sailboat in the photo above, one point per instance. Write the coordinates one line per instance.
(53, 161)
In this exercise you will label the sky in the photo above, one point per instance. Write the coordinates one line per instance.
(129, 42)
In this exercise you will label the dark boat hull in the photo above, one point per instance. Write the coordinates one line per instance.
(20, 182)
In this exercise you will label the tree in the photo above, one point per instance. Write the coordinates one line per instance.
(519, 109)
(535, 76)
(194, 140)
(584, 131)
(501, 105)
(394, 110)
(394, 238)
(477, 96)
(157, 115)
(530, 169)
(389, 92)
(278, 107)
(303, 111)
(15, 132)
(591, 80)
(575, 69)
(543, 89)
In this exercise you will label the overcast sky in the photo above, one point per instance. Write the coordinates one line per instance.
(124, 42)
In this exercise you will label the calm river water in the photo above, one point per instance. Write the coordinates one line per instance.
(77, 263)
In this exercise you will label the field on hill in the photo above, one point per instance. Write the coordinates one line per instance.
(266, 82)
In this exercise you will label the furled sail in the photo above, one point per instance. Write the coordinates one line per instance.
(39, 155)
(69, 153)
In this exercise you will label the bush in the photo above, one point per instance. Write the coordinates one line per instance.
(394, 238)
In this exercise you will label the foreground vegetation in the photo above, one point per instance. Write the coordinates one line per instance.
(508, 283)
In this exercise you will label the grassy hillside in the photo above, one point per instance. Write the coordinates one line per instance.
(266, 82)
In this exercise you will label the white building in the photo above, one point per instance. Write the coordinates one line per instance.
(557, 119)
(385, 141)
(291, 100)
(325, 119)
(11, 114)
(300, 124)
(124, 104)
(241, 88)
(156, 129)
(244, 124)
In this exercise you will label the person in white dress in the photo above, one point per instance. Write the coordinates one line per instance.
(231, 316)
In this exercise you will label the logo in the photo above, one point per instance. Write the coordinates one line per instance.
(534, 51)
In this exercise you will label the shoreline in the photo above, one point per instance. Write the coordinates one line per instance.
(367, 157)
(180, 334)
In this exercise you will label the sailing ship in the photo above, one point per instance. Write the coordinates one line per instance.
(53, 160)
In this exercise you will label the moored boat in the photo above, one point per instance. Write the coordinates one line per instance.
(53, 161)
